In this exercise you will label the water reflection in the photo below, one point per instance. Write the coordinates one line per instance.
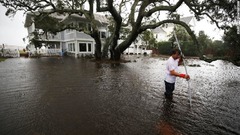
(77, 96)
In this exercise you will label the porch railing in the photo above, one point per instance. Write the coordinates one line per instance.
(13, 53)
(46, 52)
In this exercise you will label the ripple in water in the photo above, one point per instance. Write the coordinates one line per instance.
(61, 96)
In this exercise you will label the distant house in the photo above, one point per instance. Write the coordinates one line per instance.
(137, 47)
(162, 33)
(69, 41)
(10, 50)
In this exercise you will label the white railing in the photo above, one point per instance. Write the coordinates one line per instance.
(46, 52)
(52, 52)
(13, 53)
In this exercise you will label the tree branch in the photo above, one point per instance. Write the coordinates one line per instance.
(190, 32)
(164, 8)
(200, 12)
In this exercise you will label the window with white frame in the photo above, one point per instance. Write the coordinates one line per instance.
(85, 47)
(102, 34)
(68, 31)
(89, 47)
(82, 47)
(89, 27)
(71, 47)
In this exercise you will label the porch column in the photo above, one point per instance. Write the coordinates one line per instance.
(137, 49)
(76, 49)
(61, 50)
(76, 45)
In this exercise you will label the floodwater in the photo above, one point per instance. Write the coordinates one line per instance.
(68, 96)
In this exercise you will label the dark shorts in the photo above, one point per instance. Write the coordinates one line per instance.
(169, 87)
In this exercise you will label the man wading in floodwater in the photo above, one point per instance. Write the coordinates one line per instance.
(172, 72)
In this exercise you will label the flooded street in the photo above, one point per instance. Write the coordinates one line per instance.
(68, 96)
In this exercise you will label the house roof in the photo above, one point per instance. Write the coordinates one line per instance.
(63, 17)
(101, 18)
(158, 30)
(29, 17)
(187, 20)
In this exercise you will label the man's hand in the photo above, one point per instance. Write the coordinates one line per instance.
(187, 77)
(184, 76)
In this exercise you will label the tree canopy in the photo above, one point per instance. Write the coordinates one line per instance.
(148, 37)
(138, 15)
(181, 33)
(232, 41)
(204, 41)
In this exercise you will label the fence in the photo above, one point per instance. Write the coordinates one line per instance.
(46, 52)
(9, 53)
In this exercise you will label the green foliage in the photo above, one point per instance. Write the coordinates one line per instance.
(218, 48)
(181, 33)
(141, 16)
(232, 42)
(148, 37)
(223, 12)
(204, 41)
(188, 48)
(60, 4)
(48, 23)
(36, 43)
(10, 12)
(35, 39)
(215, 48)
(2, 59)
(165, 47)
(124, 32)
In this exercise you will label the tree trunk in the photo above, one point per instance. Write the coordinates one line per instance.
(105, 52)
(98, 45)
(115, 55)
(98, 54)
(106, 48)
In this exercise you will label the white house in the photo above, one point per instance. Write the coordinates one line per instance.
(69, 41)
(10, 50)
(162, 33)
(137, 47)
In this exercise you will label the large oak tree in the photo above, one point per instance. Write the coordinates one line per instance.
(137, 15)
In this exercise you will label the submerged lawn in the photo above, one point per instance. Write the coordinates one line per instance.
(2, 59)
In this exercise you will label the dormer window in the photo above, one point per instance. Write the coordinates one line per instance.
(102, 34)
(89, 27)
(69, 31)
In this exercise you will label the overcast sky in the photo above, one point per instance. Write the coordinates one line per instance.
(12, 30)
(204, 25)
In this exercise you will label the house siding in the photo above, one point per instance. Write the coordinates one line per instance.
(68, 38)
(84, 36)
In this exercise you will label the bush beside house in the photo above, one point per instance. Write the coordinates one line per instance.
(188, 48)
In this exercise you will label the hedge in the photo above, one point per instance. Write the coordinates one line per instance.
(188, 48)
